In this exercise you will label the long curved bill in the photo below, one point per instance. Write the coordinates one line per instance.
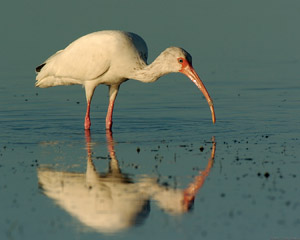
(189, 71)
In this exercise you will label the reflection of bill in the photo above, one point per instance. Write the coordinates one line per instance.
(113, 202)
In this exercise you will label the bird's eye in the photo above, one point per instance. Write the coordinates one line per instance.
(180, 60)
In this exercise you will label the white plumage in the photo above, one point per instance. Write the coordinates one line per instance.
(112, 57)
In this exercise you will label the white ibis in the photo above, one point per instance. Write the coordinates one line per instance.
(111, 58)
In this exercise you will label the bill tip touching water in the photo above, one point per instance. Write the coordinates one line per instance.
(111, 58)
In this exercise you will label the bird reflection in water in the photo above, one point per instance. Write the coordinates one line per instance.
(113, 202)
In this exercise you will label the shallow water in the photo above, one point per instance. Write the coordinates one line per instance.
(246, 181)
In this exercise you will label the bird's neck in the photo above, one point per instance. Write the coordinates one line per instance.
(151, 72)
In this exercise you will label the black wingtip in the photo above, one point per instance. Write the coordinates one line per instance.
(38, 68)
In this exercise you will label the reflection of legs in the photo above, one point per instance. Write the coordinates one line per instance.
(91, 174)
(88, 143)
(113, 164)
(113, 91)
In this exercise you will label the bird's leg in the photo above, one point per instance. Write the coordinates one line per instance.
(87, 121)
(110, 109)
(113, 91)
(89, 91)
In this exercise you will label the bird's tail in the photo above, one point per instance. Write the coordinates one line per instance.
(51, 81)
(45, 82)
(44, 78)
(39, 68)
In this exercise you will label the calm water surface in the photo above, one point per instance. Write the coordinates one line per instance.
(59, 182)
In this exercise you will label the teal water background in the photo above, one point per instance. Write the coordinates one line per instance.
(248, 56)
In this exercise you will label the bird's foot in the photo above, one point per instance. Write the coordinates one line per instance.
(87, 123)
(108, 125)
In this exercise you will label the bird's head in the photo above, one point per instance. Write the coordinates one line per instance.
(178, 60)
(174, 58)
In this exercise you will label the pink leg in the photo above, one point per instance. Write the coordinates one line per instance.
(109, 114)
(113, 91)
(87, 122)
(89, 91)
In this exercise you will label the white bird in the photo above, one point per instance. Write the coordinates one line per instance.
(111, 58)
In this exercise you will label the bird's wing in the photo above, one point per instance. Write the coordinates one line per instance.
(79, 62)
(140, 45)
